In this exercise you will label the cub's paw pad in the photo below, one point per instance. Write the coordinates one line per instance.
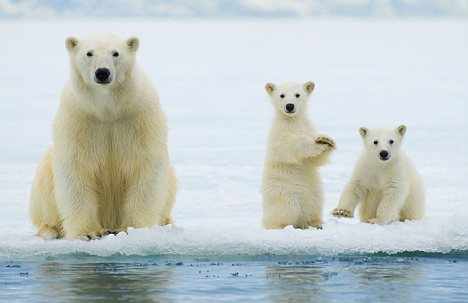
(371, 221)
(326, 141)
(340, 212)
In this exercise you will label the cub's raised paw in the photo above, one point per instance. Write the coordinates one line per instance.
(325, 141)
(340, 212)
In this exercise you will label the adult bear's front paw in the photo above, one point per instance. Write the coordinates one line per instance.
(326, 141)
(115, 231)
(371, 221)
(94, 235)
(340, 212)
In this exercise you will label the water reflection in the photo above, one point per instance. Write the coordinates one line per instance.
(105, 282)
(387, 280)
(296, 282)
(330, 279)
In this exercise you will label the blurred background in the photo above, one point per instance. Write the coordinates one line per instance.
(233, 9)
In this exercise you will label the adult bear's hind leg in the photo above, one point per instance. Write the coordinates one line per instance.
(43, 208)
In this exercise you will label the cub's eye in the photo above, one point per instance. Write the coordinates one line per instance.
(297, 95)
(282, 96)
(115, 54)
(89, 54)
(376, 142)
(391, 142)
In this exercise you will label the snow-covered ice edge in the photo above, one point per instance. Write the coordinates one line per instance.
(339, 236)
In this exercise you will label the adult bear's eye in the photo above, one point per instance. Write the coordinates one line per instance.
(376, 142)
(391, 142)
(282, 96)
(115, 54)
(89, 54)
(297, 95)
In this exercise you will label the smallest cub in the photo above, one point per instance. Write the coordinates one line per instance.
(384, 182)
(292, 187)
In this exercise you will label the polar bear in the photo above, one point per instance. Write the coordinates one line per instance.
(292, 188)
(384, 181)
(108, 168)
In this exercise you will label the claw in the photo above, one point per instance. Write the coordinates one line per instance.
(339, 212)
(114, 231)
(96, 235)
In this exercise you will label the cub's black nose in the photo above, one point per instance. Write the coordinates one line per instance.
(290, 107)
(384, 155)
(102, 75)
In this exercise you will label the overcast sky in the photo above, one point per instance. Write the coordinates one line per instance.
(233, 8)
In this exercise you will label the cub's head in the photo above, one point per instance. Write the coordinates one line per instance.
(102, 61)
(290, 99)
(384, 144)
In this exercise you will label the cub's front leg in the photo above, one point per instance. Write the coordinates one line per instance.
(352, 195)
(76, 200)
(392, 202)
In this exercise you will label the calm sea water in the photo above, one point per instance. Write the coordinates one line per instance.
(360, 278)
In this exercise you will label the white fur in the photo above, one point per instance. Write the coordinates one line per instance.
(388, 190)
(108, 168)
(292, 188)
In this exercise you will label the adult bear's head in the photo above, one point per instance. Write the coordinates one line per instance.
(102, 61)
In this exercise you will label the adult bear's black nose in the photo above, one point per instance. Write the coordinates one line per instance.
(102, 75)
(290, 107)
(384, 155)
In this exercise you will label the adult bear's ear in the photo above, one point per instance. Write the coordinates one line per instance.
(270, 88)
(133, 43)
(401, 130)
(71, 43)
(309, 87)
(363, 132)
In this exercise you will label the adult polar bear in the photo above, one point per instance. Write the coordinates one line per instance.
(108, 168)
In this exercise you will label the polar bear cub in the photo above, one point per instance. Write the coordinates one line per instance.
(292, 188)
(384, 181)
(109, 167)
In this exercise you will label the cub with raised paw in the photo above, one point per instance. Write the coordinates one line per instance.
(292, 187)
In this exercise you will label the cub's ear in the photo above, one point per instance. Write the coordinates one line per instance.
(401, 130)
(71, 43)
(309, 87)
(363, 132)
(270, 88)
(133, 43)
